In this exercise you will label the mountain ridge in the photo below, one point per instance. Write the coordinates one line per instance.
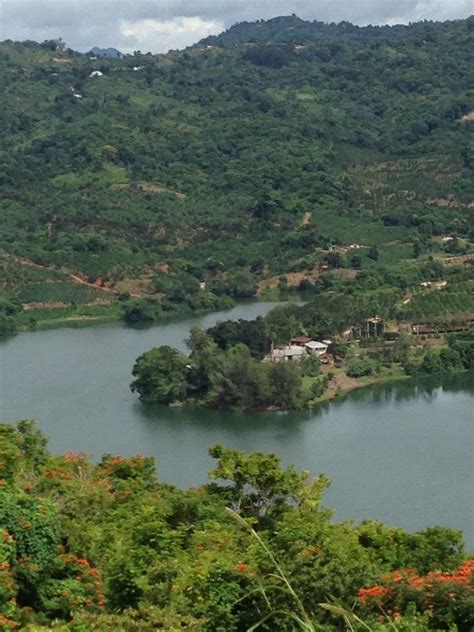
(294, 30)
(112, 53)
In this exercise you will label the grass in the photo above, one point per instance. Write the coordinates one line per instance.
(430, 304)
(80, 316)
(385, 375)
(73, 322)
(300, 617)
(63, 292)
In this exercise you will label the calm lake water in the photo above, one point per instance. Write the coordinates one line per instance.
(401, 453)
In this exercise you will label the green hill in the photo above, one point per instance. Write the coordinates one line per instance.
(290, 29)
(199, 174)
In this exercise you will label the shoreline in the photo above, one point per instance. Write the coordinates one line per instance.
(109, 314)
(339, 394)
(331, 396)
(84, 320)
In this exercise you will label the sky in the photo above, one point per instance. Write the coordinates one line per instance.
(160, 25)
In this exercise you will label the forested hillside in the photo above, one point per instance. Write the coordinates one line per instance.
(210, 173)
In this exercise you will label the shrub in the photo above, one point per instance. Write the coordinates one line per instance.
(359, 367)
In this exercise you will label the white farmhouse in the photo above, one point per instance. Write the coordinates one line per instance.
(291, 353)
(313, 347)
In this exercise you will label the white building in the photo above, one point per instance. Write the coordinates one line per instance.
(291, 353)
(295, 352)
(313, 347)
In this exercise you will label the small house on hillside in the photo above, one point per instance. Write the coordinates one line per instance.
(313, 347)
(96, 73)
(375, 326)
(290, 353)
(300, 341)
(300, 347)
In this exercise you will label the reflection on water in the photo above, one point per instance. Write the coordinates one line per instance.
(427, 388)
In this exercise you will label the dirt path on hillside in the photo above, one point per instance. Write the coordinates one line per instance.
(74, 276)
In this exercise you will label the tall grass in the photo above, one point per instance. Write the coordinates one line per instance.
(300, 617)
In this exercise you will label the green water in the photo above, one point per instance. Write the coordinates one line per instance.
(402, 453)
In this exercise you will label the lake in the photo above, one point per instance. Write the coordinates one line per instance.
(401, 453)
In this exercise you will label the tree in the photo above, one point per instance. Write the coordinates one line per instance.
(241, 382)
(7, 326)
(267, 207)
(311, 365)
(259, 487)
(241, 284)
(356, 262)
(334, 259)
(359, 367)
(416, 249)
(137, 311)
(199, 341)
(431, 363)
(285, 385)
(160, 375)
(253, 333)
(450, 359)
(271, 56)
(373, 253)
(205, 362)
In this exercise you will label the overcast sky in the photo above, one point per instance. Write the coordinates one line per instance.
(158, 25)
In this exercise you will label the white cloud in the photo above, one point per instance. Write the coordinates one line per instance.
(162, 35)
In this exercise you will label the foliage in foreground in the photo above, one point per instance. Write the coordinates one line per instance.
(107, 546)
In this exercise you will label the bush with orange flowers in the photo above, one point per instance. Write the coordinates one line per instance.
(8, 586)
(448, 597)
(87, 546)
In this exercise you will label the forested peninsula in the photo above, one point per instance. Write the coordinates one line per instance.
(267, 364)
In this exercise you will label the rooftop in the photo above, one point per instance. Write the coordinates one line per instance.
(314, 344)
(300, 339)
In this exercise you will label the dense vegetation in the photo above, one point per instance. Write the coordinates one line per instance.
(332, 159)
(103, 546)
(217, 378)
(178, 181)
(224, 368)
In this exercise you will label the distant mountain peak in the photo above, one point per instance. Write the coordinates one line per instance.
(112, 53)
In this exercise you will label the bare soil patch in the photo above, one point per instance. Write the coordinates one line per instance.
(306, 219)
(467, 117)
(34, 304)
(148, 187)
